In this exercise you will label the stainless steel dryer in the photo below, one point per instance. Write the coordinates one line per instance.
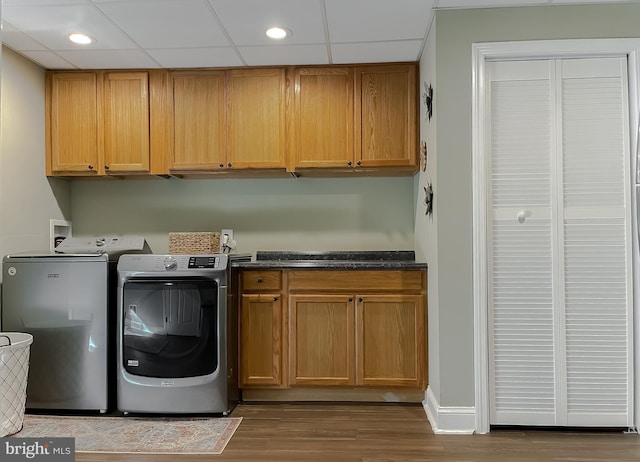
(172, 334)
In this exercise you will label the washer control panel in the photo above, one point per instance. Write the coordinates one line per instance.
(190, 264)
(209, 261)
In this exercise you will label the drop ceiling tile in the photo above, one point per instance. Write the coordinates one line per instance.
(48, 59)
(197, 57)
(376, 52)
(246, 21)
(167, 24)
(285, 55)
(109, 59)
(43, 2)
(18, 40)
(377, 20)
(51, 25)
(443, 4)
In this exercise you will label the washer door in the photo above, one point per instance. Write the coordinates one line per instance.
(170, 327)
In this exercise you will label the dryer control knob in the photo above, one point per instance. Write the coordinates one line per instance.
(170, 263)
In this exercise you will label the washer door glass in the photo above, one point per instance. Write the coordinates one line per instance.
(170, 327)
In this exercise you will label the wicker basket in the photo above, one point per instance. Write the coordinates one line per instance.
(14, 369)
(194, 243)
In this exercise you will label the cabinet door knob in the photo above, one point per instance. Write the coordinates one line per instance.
(229, 165)
(350, 299)
(359, 163)
(106, 167)
(259, 280)
(221, 165)
(349, 163)
(275, 299)
(360, 299)
(90, 167)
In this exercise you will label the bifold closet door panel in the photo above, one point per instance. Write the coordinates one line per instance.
(596, 196)
(560, 288)
(521, 287)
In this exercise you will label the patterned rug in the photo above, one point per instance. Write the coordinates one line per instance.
(149, 435)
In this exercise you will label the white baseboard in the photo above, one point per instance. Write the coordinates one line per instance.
(452, 420)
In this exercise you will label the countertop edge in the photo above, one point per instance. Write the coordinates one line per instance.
(329, 264)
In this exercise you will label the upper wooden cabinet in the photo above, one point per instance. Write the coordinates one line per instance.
(323, 117)
(355, 117)
(198, 124)
(304, 120)
(227, 120)
(72, 122)
(98, 123)
(257, 121)
(126, 122)
(386, 116)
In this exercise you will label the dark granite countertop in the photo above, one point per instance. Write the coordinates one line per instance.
(334, 260)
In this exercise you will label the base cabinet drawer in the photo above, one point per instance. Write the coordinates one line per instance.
(261, 280)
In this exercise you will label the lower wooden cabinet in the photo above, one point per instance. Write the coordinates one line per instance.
(339, 329)
(371, 340)
(261, 339)
(390, 338)
(322, 333)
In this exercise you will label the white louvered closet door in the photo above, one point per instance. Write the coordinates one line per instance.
(560, 291)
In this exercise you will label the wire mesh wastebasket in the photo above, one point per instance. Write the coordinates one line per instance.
(14, 368)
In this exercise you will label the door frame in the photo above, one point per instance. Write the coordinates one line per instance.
(544, 49)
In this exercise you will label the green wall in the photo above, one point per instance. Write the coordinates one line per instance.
(457, 30)
(360, 213)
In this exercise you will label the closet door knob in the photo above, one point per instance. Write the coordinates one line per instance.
(523, 215)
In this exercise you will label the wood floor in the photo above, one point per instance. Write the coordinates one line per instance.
(376, 433)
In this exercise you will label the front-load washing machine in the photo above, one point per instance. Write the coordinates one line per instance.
(172, 334)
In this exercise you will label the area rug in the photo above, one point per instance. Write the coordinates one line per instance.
(155, 435)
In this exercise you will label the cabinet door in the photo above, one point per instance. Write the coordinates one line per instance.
(256, 105)
(73, 122)
(199, 120)
(323, 117)
(261, 341)
(126, 122)
(386, 120)
(322, 340)
(390, 347)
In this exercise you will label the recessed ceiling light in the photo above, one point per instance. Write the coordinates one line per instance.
(278, 33)
(81, 39)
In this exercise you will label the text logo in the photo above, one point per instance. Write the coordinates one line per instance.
(37, 449)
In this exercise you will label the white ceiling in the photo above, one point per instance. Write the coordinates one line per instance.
(225, 33)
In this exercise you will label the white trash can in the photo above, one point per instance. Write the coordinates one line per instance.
(14, 368)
